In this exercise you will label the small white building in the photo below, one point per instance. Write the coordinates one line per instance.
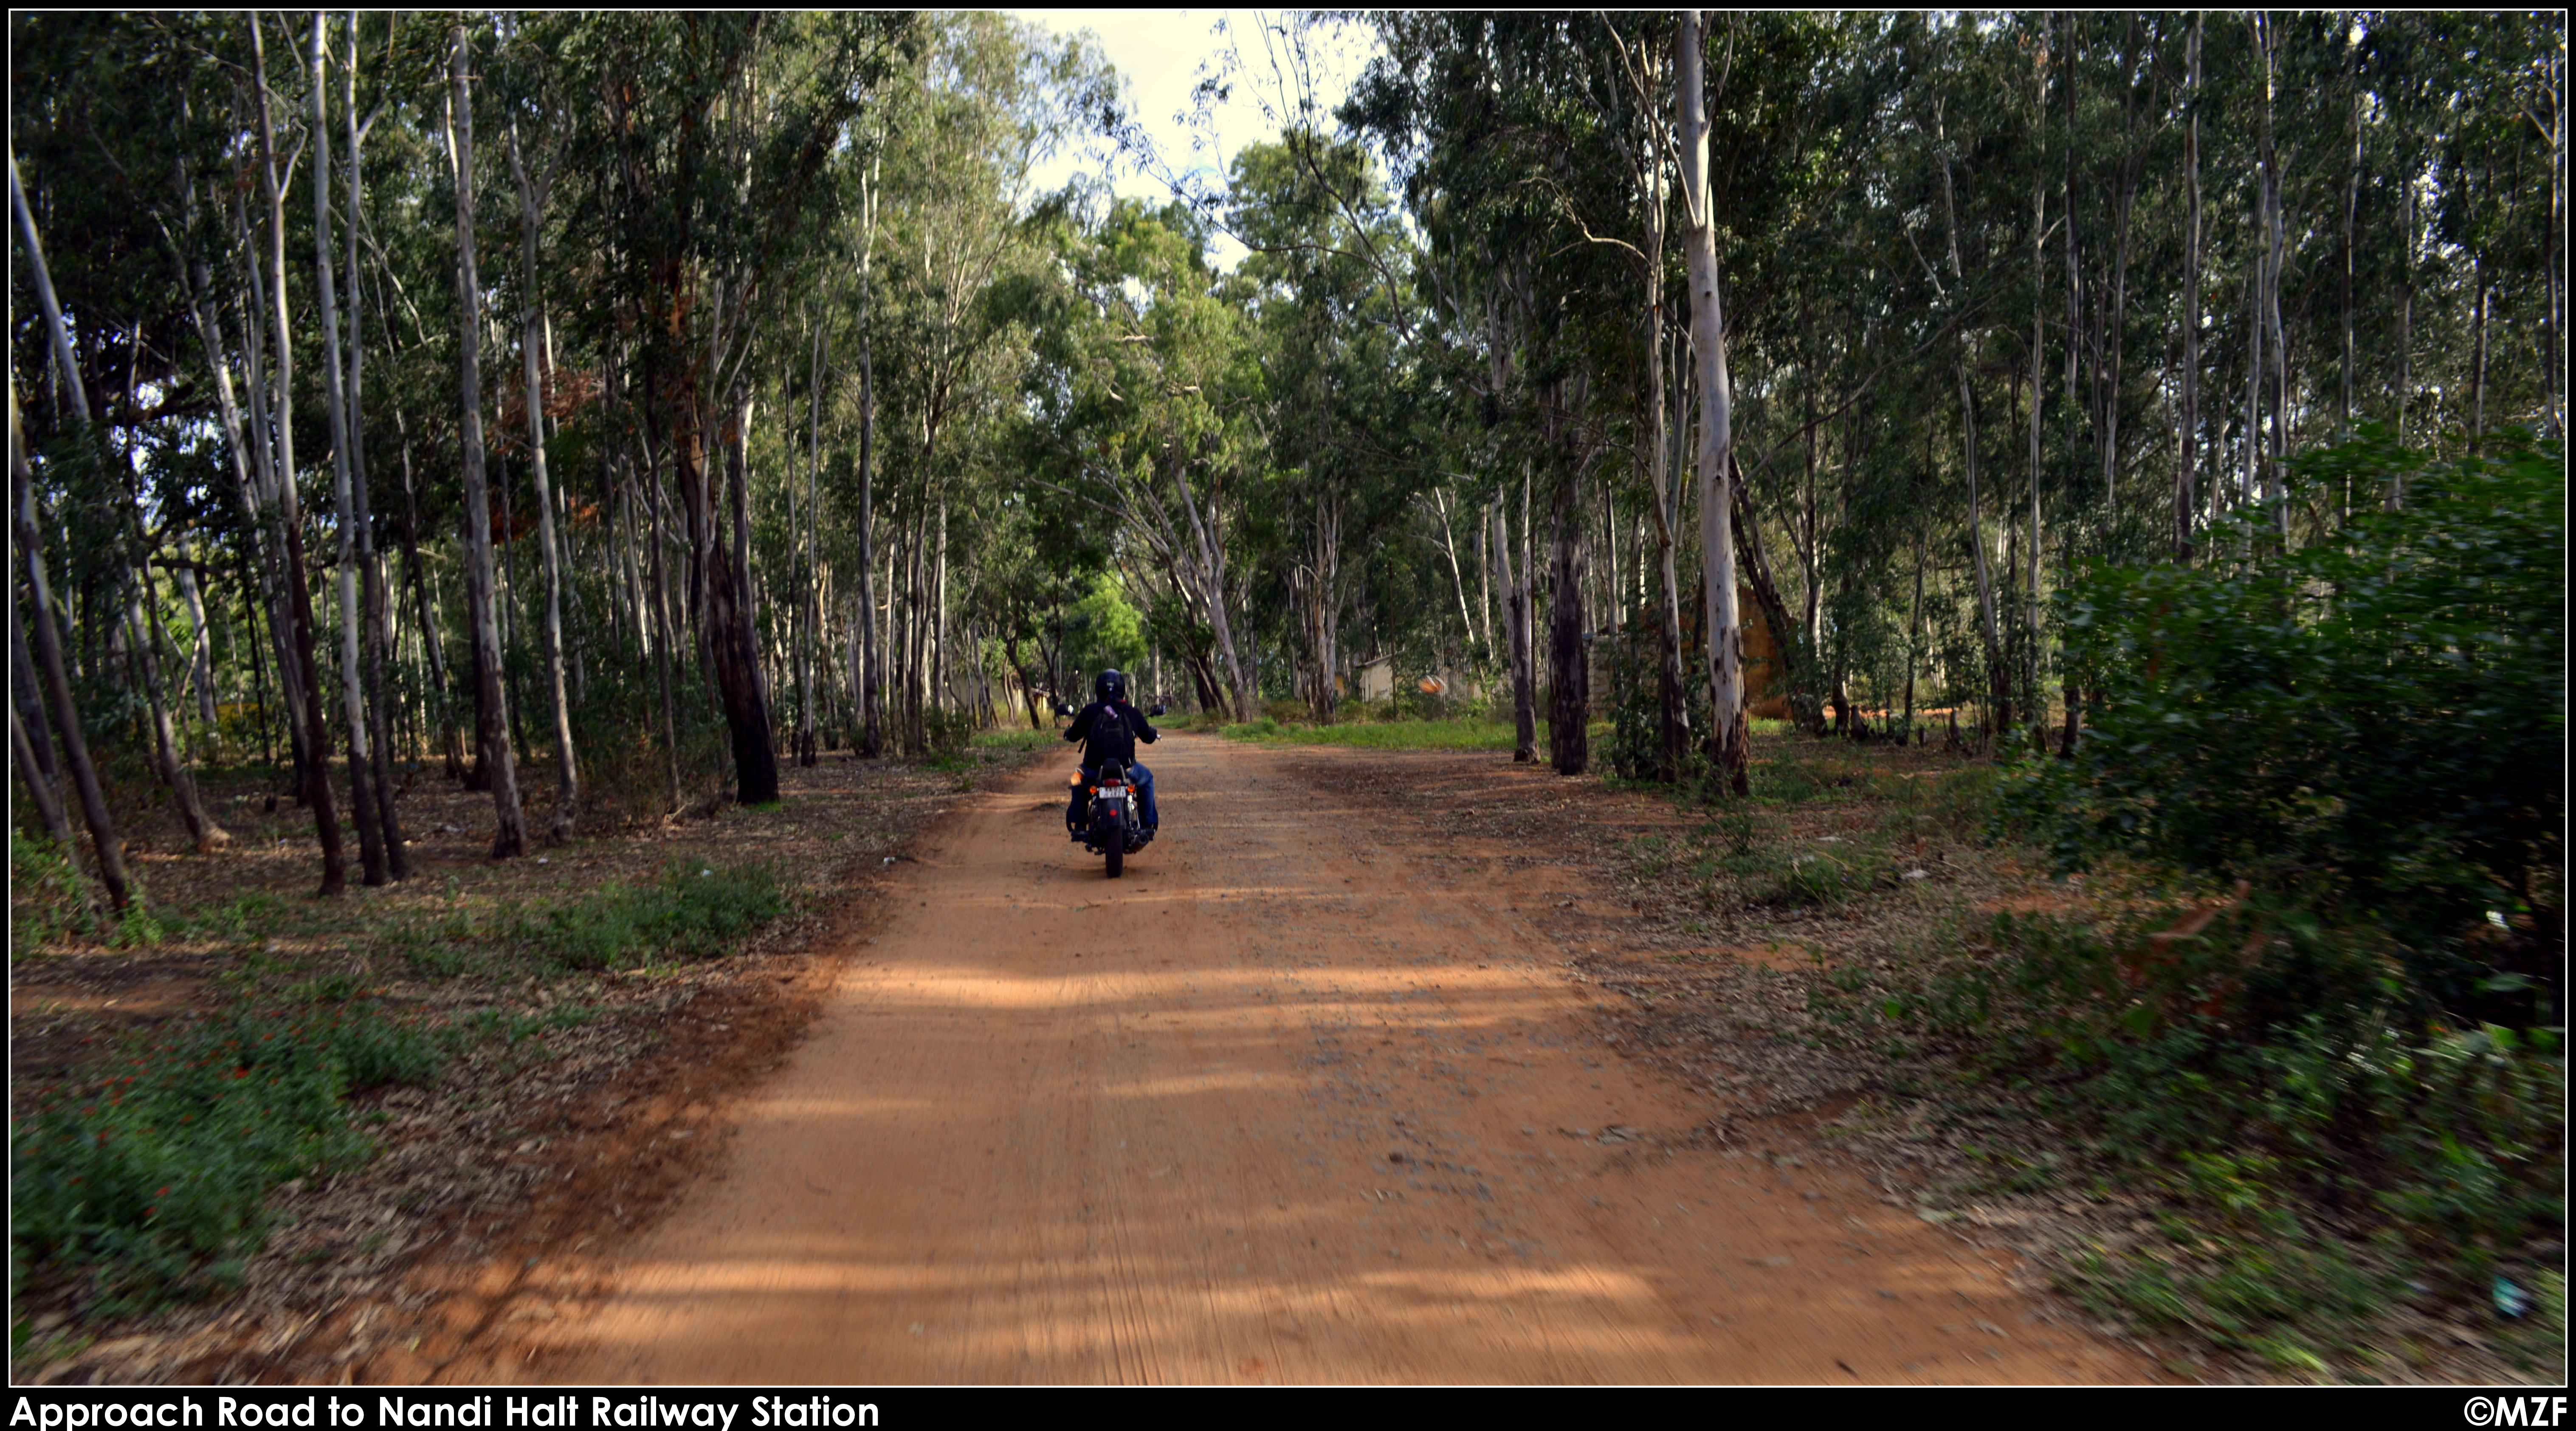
(1377, 679)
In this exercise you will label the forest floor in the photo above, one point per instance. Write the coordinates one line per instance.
(566, 1093)
(1399, 1066)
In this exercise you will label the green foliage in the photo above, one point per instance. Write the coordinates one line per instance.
(695, 911)
(149, 1183)
(946, 734)
(2280, 1297)
(2377, 721)
(1103, 630)
(2205, 1055)
(45, 898)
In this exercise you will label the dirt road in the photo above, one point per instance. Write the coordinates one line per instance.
(1289, 1102)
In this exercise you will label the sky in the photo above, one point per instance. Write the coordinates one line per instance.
(1161, 55)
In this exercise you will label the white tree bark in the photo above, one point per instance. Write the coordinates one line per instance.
(353, 705)
(1716, 409)
(532, 202)
(499, 761)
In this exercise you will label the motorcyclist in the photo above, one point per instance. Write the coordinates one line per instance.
(1109, 729)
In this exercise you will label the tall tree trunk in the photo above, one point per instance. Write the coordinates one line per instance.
(2115, 315)
(201, 650)
(2405, 323)
(2478, 363)
(2351, 205)
(2553, 330)
(143, 624)
(729, 637)
(1998, 679)
(2038, 380)
(249, 459)
(1207, 563)
(1569, 667)
(1727, 729)
(2276, 375)
(30, 556)
(2187, 470)
(363, 806)
(1457, 572)
(809, 609)
(532, 201)
(491, 710)
(379, 628)
(40, 786)
(433, 646)
(663, 637)
(29, 704)
(316, 752)
(943, 677)
(868, 665)
(1519, 615)
(1672, 730)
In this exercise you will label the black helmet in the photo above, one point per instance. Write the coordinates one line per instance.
(1109, 686)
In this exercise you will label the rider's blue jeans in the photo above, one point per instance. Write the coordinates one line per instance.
(1143, 780)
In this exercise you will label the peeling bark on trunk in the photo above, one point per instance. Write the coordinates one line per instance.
(1727, 728)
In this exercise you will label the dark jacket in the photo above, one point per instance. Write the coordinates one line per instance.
(1109, 730)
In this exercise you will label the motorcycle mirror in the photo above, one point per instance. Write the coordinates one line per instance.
(1157, 710)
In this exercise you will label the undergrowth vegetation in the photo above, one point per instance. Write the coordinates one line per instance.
(2331, 781)
(2302, 990)
(146, 1177)
(149, 1180)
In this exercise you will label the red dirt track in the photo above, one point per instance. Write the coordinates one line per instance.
(1286, 1103)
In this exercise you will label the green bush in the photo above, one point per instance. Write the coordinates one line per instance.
(45, 897)
(2374, 724)
(694, 911)
(947, 733)
(2190, 1052)
(151, 1181)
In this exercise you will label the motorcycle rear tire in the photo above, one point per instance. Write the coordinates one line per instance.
(1108, 834)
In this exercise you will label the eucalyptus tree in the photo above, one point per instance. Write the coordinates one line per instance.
(534, 168)
(1148, 394)
(992, 99)
(720, 128)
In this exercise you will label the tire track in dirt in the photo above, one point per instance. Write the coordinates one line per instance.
(1286, 1103)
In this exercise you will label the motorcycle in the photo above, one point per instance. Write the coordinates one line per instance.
(1114, 829)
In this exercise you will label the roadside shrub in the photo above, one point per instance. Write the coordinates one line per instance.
(946, 733)
(45, 899)
(694, 911)
(2374, 724)
(2191, 1052)
(150, 1182)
